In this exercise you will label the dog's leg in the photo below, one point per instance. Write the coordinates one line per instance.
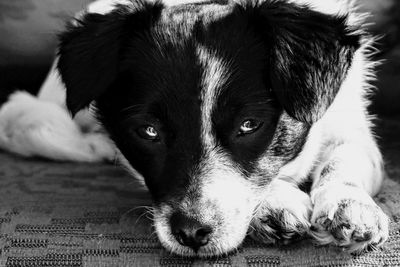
(283, 215)
(31, 127)
(344, 212)
(53, 89)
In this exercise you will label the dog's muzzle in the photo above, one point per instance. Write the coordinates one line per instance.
(190, 232)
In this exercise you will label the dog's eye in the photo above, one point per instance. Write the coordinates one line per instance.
(148, 132)
(249, 127)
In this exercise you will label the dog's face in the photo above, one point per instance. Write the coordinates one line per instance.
(207, 102)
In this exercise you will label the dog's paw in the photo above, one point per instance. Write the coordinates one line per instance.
(349, 218)
(283, 216)
(100, 147)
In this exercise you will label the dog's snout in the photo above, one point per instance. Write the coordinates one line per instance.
(189, 232)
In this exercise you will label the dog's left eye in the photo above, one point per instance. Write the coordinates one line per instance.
(249, 127)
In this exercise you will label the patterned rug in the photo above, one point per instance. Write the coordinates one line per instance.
(64, 214)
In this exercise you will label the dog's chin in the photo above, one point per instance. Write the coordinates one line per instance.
(223, 245)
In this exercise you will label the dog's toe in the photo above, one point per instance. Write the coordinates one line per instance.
(279, 227)
(352, 224)
(283, 216)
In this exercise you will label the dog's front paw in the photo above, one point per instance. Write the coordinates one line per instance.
(283, 216)
(348, 217)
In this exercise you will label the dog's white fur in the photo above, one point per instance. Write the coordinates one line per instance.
(216, 74)
(231, 196)
(30, 127)
(358, 168)
(342, 137)
(41, 126)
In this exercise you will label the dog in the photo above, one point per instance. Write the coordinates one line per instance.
(226, 110)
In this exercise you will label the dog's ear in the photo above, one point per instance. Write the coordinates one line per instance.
(310, 55)
(91, 48)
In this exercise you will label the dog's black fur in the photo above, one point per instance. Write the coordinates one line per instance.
(138, 74)
(139, 64)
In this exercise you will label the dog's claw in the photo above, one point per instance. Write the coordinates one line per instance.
(280, 220)
(357, 224)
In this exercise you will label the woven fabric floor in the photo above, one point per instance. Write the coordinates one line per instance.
(64, 214)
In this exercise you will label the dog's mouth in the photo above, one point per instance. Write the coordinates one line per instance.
(209, 216)
(187, 236)
(206, 227)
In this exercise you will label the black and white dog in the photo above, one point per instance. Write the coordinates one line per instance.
(224, 109)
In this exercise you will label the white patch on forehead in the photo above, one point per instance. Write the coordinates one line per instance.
(179, 2)
(105, 6)
(215, 74)
(331, 7)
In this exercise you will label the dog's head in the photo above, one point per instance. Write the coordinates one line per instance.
(207, 101)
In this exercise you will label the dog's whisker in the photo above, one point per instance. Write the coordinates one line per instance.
(147, 208)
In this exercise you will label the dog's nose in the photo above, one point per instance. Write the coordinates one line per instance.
(189, 232)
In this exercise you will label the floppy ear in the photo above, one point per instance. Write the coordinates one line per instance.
(310, 55)
(91, 48)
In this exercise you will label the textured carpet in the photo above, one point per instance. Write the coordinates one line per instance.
(63, 214)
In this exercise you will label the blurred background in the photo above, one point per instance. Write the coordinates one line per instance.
(28, 38)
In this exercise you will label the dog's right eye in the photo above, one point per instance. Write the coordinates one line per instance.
(148, 132)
